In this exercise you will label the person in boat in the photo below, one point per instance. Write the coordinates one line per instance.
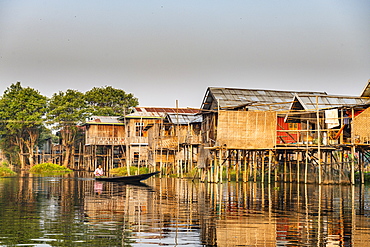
(99, 171)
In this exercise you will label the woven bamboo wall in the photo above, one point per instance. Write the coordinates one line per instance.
(246, 129)
(361, 127)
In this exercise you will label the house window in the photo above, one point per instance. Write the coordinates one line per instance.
(139, 129)
(293, 126)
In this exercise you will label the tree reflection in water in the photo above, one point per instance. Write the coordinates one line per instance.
(73, 211)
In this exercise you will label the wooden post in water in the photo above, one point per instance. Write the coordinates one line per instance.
(285, 167)
(298, 154)
(220, 167)
(227, 167)
(263, 166)
(340, 165)
(254, 167)
(353, 151)
(361, 167)
(246, 167)
(290, 170)
(269, 171)
(306, 166)
(318, 139)
(237, 165)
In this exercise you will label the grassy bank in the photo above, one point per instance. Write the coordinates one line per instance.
(122, 171)
(5, 171)
(49, 169)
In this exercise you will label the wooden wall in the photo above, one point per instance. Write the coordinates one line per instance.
(246, 129)
(361, 127)
(102, 134)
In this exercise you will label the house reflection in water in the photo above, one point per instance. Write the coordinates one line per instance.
(179, 212)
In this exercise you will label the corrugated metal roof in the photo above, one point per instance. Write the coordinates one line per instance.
(184, 119)
(254, 99)
(103, 120)
(366, 91)
(157, 112)
(310, 102)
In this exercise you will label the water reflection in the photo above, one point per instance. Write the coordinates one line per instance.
(75, 211)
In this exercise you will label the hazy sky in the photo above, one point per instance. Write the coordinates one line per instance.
(163, 51)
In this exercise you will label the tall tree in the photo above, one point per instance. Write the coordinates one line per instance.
(66, 111)
(21, 120)
(109, 101)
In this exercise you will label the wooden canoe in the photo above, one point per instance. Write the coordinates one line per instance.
(129, 179)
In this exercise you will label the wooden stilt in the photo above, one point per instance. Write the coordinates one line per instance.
(245, 165)
(285, 167)
(298, 154)
(269, 171)
(220, 168)
(263, 167)
(254, 167)
(361, 166)
(353, 151)
(290, 170)
(306, 167)
(237, 165)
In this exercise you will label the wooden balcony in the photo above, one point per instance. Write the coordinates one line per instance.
(105, 141)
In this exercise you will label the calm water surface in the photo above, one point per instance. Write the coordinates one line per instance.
(75, 211)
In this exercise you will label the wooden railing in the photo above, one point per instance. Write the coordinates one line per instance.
(105, 141)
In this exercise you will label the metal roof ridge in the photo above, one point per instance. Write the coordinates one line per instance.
(271, 90)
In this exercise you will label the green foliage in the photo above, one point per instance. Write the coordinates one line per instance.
(5, 171)
(21, 119)
(49, 168)
(122, 171)
(108, 101)
(67, 109)
(193, 173)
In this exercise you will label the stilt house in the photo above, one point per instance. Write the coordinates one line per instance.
(175, 140)
(246, 118)
(138, 124)
(104, 142)
(250, 128)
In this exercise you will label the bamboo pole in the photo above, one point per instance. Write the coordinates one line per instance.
(220, 167)
(361, 164)
(318, 139)
(290, 170)
(285, 167)
(340, 165)
(237, 165)
(269, 171)
(246, 170)
(353, 150)
(254, 166)
(298, 166)
(263, 167)
(306, 167)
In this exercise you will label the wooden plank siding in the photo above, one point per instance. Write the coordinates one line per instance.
(105, 134)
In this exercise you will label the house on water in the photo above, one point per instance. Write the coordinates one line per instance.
(254, 133)
(139, 123)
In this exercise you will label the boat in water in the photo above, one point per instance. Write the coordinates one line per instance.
(128, 179)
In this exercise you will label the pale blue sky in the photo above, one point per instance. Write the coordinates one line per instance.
(163, 51)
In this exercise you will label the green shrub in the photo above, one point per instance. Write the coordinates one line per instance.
(122, 171)
(4, 164)
(6, 172)
(49, 168)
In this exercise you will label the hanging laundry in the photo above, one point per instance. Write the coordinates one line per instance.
(331, 118)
